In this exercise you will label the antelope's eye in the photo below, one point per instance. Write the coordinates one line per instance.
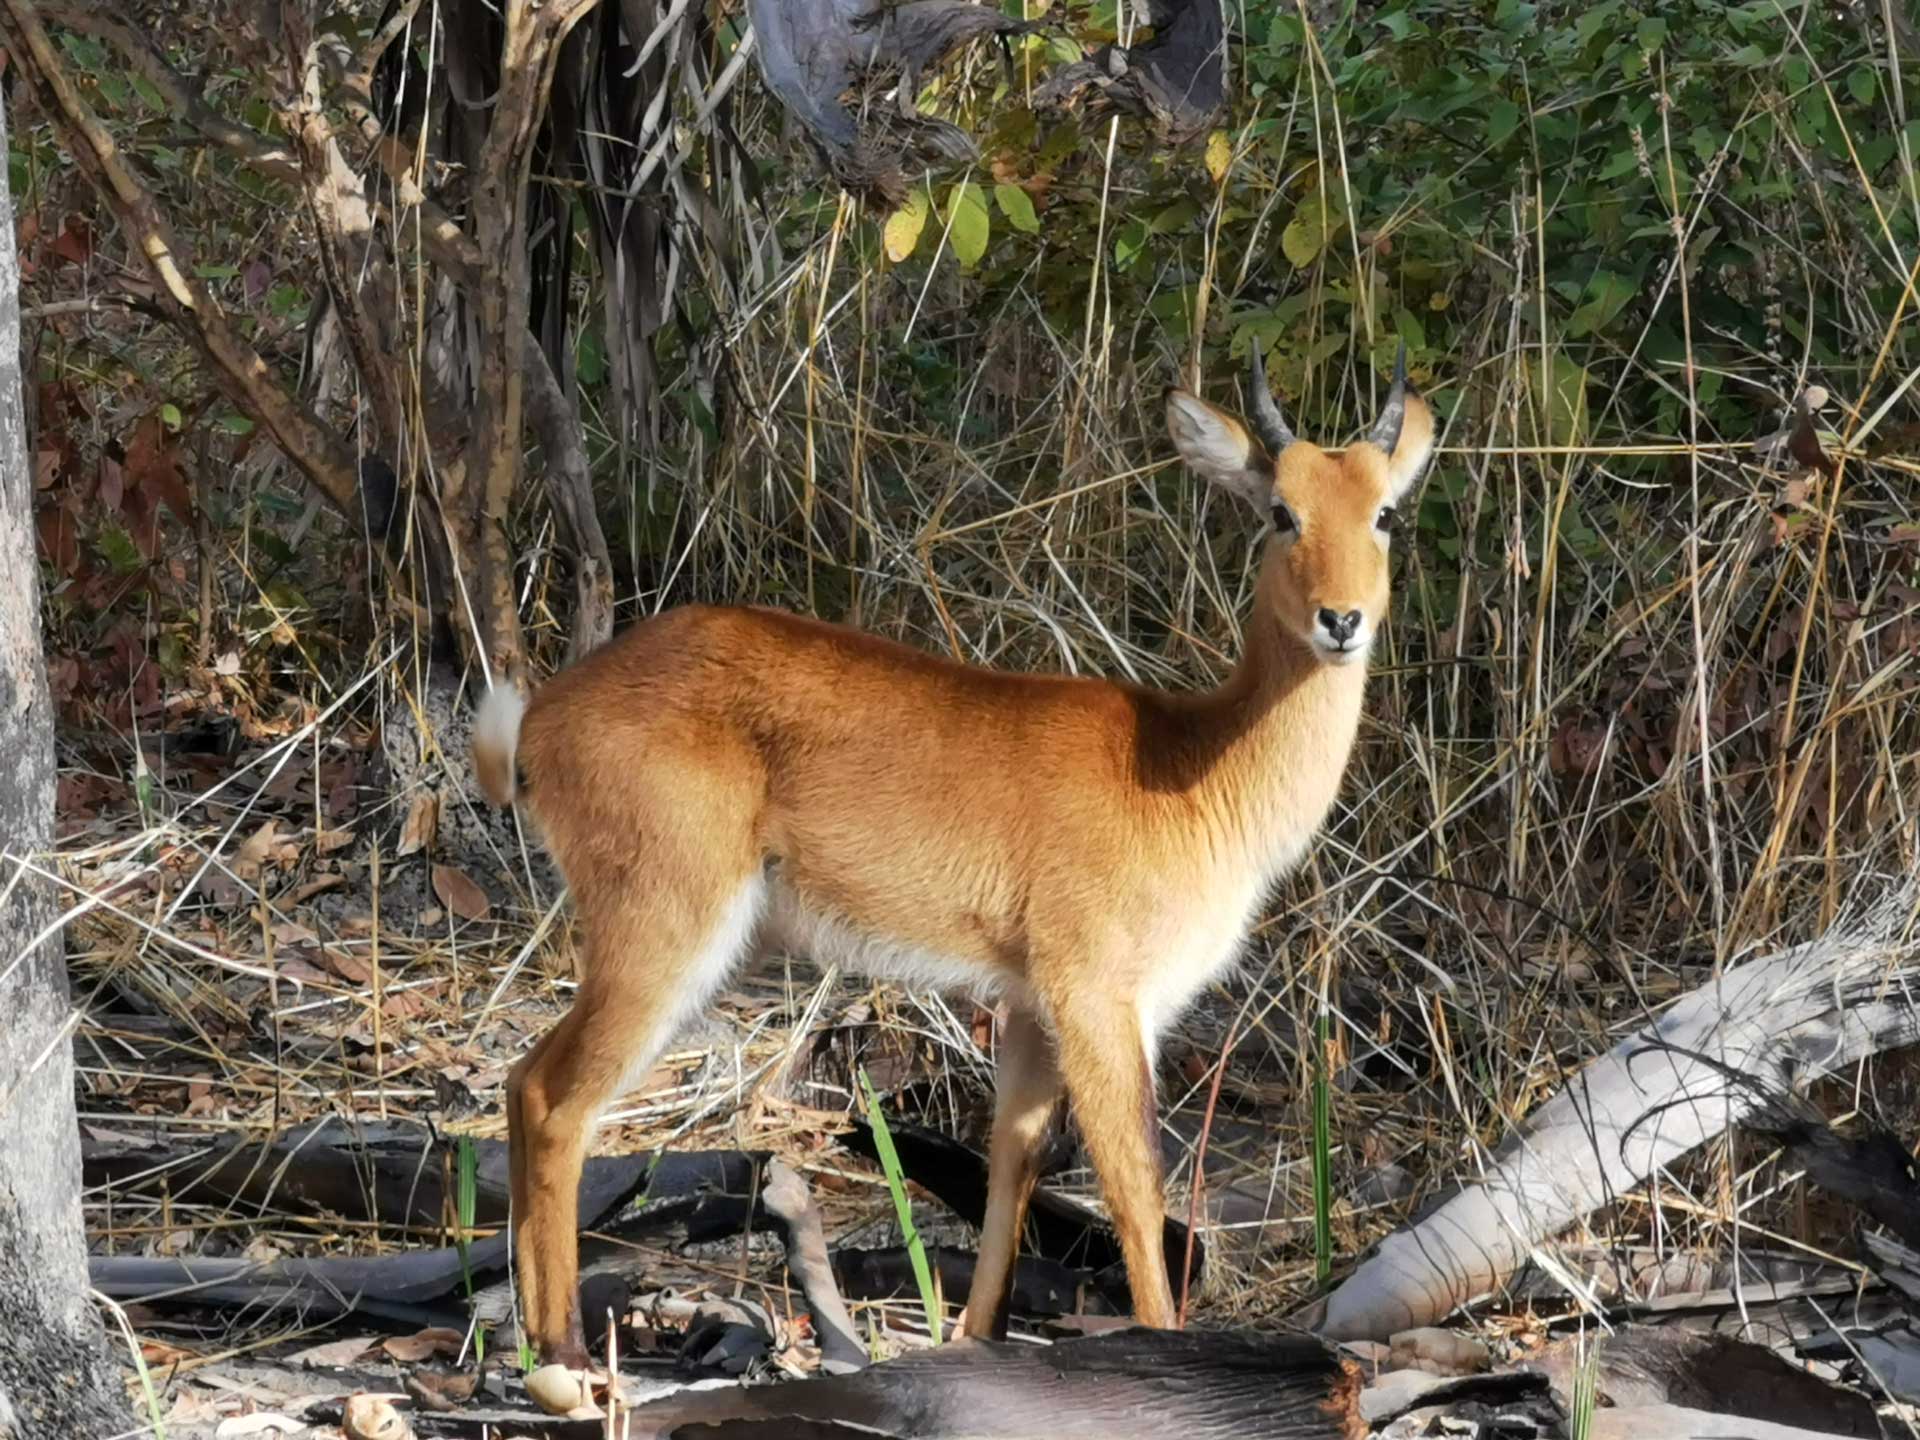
(1283, 519)
(1383, 522)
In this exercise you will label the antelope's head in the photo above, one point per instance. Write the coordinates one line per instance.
(1332, 514)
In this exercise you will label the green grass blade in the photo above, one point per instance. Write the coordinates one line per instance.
(466, 1161)
(1322, 1156)
(896, 1182)
(1586, 1389)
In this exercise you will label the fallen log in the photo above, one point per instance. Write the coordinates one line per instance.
(1061, 1231)
(402, 1287)
(1789, 1018)
(384, 1172)
(1133, 1385)
(1637, 1366)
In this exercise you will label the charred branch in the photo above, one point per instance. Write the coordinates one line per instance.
(812, 52)
(1176, 80)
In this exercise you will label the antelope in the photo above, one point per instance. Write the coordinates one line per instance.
(1089, 854)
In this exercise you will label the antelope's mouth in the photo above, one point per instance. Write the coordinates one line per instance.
(1343, 652)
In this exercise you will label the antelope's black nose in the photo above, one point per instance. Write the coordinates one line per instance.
(1340, 628)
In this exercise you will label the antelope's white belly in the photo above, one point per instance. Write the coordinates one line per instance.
(790, 923)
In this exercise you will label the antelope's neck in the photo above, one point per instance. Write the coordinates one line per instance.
(1280, 731)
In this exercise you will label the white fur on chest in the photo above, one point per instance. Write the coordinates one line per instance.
(1194, 951)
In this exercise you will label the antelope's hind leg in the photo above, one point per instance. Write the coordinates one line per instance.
(654, 956)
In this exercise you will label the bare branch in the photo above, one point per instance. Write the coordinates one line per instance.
(446, 245)
(323, 456)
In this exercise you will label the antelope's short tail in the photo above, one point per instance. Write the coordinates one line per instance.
(496, 742)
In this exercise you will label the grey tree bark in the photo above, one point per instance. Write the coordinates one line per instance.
(56, 1374)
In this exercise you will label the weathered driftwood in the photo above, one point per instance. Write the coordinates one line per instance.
(1785, 1019)
(1672, 1422)
(787, 1198)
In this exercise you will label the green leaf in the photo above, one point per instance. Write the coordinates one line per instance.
(170, 416)
(1409, 327)
(1623, 163)
(1862, 83)
(1651, 33)
(1567, 402)
(1502, 121)
(235, 424)
(1173, 217)
(1017, 206)
(1750, 57)
(146, 90)
(89, 55)
(1306, 234)
(118, 549)
(1593, 19)
(1128, 241)
(1607, 294)
(590, 355)
(902, 230)
(968, 224)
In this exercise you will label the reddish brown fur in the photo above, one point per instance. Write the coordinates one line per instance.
(1089, 851)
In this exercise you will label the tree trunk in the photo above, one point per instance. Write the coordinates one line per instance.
(56, 1377)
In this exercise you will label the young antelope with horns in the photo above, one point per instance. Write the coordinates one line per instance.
(1088, 854)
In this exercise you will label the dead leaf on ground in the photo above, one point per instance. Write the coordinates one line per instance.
(301, 973)
(459, 894)
(423, 1344)
(334, 1352)
(440, 1393)
(421, 825)
(160, 1353)
(348, 966)
(292, 933)
(408, 1004)
(261, 1422)
(255, 851)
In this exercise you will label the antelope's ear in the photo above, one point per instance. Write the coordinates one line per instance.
(1219, 448)
(1412, 449)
